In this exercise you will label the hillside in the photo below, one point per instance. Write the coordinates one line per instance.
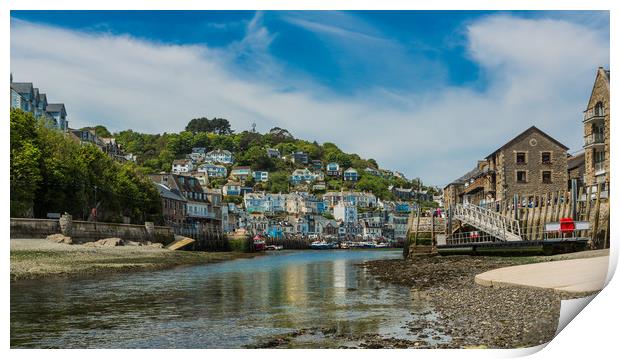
(156, 152)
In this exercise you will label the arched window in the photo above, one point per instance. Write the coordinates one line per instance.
(599, 109)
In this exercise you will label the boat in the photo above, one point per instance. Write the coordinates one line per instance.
(273, 247)
(381, 245)
(259, 243)
(322, 245)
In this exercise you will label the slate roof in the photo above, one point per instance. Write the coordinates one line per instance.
(22, 87)
(55, 107)
(167, 193)
(525, 133)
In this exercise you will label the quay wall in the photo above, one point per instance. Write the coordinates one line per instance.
(82, 231)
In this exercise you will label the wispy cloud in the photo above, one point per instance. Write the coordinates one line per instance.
(540, 72)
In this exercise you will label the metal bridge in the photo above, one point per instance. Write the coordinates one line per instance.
(498, 226)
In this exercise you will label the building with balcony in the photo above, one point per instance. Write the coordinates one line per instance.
(596, 133)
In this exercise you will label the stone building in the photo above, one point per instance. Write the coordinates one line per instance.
(533, 163)
(576, 169)
(596, 133)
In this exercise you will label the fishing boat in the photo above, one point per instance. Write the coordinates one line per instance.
(322, 245)
(259, 243)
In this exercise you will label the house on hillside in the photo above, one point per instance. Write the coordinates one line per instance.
(231, 188)
(241, 173)
(299, 157)
(261, 176)
(273, 153)
(173, 204)
(182, 166)
(213, 170)
(333, 169)
(372, 171)
(198, 209)
(220, 156)
(302, 176)
(351, 175)
(198, 154)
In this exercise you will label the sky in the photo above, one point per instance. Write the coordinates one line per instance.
(427, 93)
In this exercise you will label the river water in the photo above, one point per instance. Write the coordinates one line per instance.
(225, 305)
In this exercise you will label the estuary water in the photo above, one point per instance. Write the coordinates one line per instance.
(225, 305)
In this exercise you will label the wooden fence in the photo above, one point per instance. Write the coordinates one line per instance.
(533, 212)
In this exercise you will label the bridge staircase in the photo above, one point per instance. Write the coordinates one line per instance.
(495, 224)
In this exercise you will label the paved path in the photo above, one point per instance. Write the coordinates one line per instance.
(574, 276)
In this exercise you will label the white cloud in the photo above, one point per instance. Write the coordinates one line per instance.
(540, 72)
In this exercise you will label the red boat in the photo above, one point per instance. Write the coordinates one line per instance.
(259, 243)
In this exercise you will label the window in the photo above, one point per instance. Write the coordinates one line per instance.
(546, 157)
(521, 177)
(520, 157)
(546, 177)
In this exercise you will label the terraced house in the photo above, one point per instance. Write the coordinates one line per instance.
(596, 134)
(26, 97)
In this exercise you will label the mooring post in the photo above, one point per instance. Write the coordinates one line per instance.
(573, 198)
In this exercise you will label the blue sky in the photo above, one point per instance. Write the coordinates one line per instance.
(422, 92)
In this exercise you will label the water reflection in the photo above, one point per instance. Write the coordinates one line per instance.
(226, 305)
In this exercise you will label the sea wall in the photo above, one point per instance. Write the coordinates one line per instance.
(82, 231)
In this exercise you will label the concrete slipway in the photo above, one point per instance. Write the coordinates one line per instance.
(575, 277)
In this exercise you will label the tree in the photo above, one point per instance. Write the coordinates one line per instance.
(25, 173)
(219, 126)
(278, 182)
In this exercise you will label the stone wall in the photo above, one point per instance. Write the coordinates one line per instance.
(82, 231)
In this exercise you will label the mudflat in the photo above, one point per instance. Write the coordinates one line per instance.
(41, 258)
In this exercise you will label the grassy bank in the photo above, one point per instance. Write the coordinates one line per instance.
(39, 258)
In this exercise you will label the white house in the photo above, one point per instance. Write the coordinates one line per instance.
(231, 189)
(220, 156)
(261, 176)
(241, 173)
(351, 174)
(213, 170)
(182, 166)
(198, 154)
(345, 213)
(302, 175)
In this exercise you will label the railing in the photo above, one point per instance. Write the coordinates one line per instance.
(488, 221)
(592, 113)
(594, 138)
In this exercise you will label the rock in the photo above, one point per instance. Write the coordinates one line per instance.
(133, 244)
(59, 238)
(156, 245)
(106, 242)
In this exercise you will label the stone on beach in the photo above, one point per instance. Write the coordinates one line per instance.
(59, 238)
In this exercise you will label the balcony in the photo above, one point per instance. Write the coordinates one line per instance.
(599, 168)
(593, 114)
(594, 139)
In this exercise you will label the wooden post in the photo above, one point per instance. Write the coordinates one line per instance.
(596, 212)
(543, 219)
(536, 216)
(573, 198)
